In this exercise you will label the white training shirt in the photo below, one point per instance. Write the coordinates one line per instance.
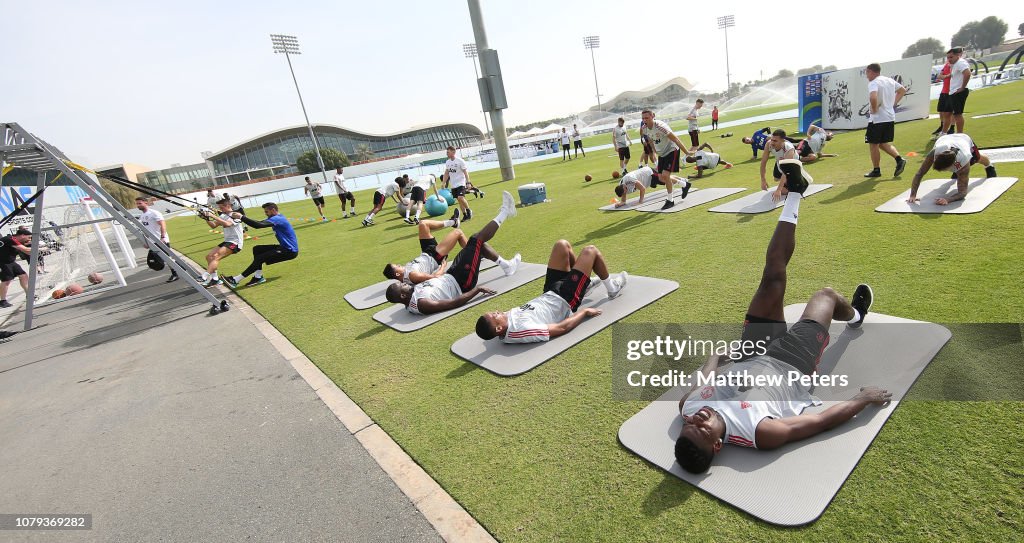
(151, 220)
(233, 233)
(886, 88)
(817, 141)
(640, 176)
(424, 264)
(781, 153)
(445, 287)
(423, 181)
(961, 143)
(314, 190)
(956, 75)
(456, 168)
(388, 189)
(658, 136)
(565, 138)
(619, 137)
(742, 410)
(576, 135)
(339, 182)
(212, 201)
(695, 113)
(707, 160)
(529, 322)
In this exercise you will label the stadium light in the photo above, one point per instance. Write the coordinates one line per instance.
(289, 45)
(724, 22)
(470, 50)
(593, 42)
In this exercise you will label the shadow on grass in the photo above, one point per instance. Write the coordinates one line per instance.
(372, 331)
(636, 221)
(462, 369)
(857, 189)
(670, 493)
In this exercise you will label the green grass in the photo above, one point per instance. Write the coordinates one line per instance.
(535, 457)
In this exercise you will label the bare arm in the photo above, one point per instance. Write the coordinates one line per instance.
(900, 93)
(774, 433)
(764, 165)
(962, 180)
(916, 182)
(428, 307)
(574, 320)
(706, 146)
(873, 99)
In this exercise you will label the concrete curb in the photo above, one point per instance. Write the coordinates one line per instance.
(451, 521)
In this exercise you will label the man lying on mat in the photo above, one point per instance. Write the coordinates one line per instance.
(955, 153)
(771, 416)
(458, 286)
(429, 263)
(553, 313)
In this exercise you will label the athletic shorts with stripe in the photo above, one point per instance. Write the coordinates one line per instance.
(570, 285)
(669, 162)
(466, 267)
(800, 346)
(429, 246)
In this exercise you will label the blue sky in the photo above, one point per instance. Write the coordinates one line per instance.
(157, 83)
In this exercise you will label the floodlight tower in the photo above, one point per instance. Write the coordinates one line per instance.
(593, 42)
(289, 45)
(470, 50)
(724, 22)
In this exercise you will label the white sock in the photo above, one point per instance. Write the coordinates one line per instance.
(214, 276)
(407, 210)
(206, 276)
(856, 316)
(449, 223)
(238, 278)
(258, 274)
(789, 210)
(418, 211)
(608, 283)
(500, 218)
(369, 217)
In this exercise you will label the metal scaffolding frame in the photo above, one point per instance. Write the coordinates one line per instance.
(23, 150)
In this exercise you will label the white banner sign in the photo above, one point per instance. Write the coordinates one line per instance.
(845, 93)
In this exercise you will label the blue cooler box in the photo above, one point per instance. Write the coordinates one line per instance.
(532, 193)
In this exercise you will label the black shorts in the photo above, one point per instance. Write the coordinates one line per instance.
(623, 153)
(669, 162)
(418, 195)
(804, 148)
(458, 191)
(565, 146)
(957, 101)
(878, 133)
(346, 196)
(429, 246)
(9, 271)
(944, 105)
(570, 285)
(466, 267)
(378, 199)
(232, 246)
(694, 138)
(578, 144)
(318, 200)
(800, 346)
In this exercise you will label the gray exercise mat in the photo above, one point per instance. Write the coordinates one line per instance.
(980, 193)
(514, 359)
(693, 199)
(398, 317)
(997, 114)
(761, 201)
(373, 295)
(1005, 154)
(653, 195)
(793, 485)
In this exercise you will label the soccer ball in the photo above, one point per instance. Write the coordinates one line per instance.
(587, 178)
(58, 294)
(95, 278)
(74, 288)
(615, 174)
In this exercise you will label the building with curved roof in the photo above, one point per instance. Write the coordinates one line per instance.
(275, 153)
(673, 90)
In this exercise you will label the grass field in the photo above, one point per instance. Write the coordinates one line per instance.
(535, 457)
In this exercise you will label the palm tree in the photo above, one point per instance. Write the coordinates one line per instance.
(363, 153)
